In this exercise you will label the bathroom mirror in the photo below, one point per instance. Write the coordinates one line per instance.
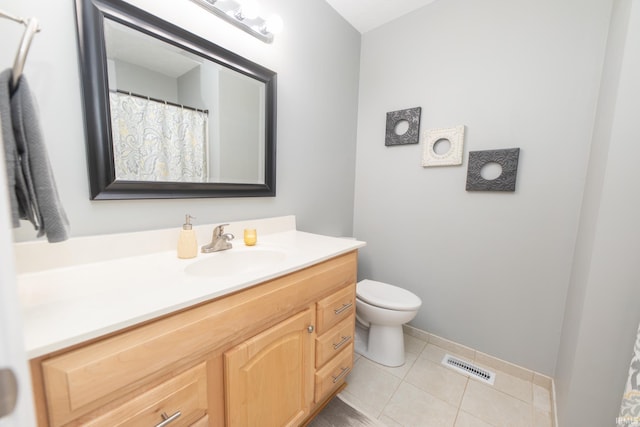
(169, 114)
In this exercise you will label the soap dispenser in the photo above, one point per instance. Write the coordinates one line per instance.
(187, 243)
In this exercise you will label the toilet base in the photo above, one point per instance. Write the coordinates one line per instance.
(381, 344)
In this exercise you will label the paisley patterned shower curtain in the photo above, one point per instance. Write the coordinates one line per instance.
(154, 141)
(630, 408)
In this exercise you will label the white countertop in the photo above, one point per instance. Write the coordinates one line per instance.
(75, 302)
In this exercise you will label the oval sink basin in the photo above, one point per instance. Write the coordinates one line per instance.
(234, 261)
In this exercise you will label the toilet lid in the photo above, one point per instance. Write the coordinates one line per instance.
(388, 296)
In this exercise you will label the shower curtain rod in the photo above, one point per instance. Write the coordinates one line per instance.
(17, 19)
(162, 101)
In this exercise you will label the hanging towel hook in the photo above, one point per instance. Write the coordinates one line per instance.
(25, 43)
(23, 50)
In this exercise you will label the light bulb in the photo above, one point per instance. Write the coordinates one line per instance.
(274, 24)
(249, 9)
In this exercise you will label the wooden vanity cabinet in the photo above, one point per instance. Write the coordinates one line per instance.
(263, 356)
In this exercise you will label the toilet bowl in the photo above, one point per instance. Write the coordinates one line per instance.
(381, 310)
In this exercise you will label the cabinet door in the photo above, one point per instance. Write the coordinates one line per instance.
(269, 378)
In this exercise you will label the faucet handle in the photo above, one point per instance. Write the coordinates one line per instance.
(219, 230)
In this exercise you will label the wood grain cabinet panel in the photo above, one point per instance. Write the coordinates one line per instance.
(183, 397)
(269, 378)
(336, 307)
(84, 379)
(335, 340)
(334, 344)
(332, 375)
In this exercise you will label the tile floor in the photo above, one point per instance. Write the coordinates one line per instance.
(423, 393)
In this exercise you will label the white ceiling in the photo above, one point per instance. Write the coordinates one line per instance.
(365, 15)
(128, 45)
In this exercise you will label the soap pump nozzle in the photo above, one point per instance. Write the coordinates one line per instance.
(187, 222)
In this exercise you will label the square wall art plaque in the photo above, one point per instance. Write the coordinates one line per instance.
(443, 147)
(403, 127)
(504, 161)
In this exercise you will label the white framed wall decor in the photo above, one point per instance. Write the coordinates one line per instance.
(452, 139)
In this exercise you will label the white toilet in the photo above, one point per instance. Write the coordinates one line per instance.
(381, 310)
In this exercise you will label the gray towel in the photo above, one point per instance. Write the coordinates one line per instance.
(32, 188)
(15, 178)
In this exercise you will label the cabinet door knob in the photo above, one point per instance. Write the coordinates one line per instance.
(310, 329)
(166, 419)
(8, 391)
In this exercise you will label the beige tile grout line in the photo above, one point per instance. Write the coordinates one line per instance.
(466, 385)
(403, 380)
(533, 406)
(391, 397)
(427, 341)
(425, 337)
(501, 365)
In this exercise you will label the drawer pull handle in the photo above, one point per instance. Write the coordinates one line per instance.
(343, 308)
(166, 419)
(341, 343)
(343, 371)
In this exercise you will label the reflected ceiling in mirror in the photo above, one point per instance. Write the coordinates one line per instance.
(173, 115)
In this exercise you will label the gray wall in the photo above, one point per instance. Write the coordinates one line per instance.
(602, 304)
(143, 81)
(240, 128)
(492, 269)
(190, 90)
(317, 114)
(211, 98)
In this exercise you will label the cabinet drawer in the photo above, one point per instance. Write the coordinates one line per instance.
(336, 307)
(333, 373)
(185, 394)
(334, 340)
(85, 379)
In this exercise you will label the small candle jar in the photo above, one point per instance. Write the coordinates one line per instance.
(250, 236)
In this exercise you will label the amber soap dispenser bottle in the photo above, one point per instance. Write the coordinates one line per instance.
(187, 243)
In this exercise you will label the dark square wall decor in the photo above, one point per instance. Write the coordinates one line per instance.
(506, 181)
(412, 134)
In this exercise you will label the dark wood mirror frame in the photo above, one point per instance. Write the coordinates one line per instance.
(93, 63)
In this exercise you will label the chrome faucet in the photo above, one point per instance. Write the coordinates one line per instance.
(220, 241)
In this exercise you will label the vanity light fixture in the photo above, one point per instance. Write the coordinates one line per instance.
(244, 15)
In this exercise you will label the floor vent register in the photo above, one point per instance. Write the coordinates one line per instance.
(470, 369)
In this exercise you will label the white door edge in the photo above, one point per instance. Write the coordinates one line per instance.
(12, 352)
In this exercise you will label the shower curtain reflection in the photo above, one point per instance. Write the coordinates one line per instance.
(630, 407)
(155, 141)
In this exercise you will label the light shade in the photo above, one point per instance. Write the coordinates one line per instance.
(244, 16)
(274, 24)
